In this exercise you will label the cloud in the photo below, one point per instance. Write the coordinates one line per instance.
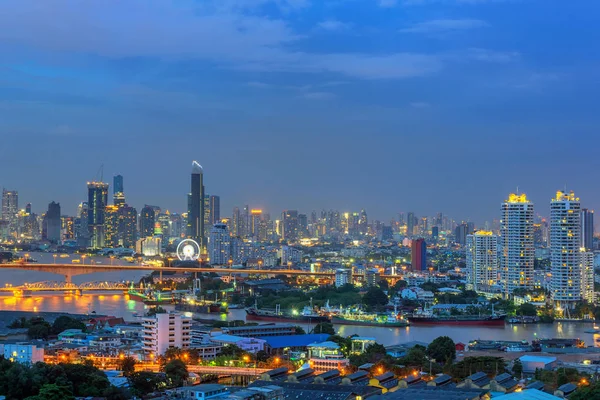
(318, 95)
(445, 25)
(259, 85)
(333, 25)
(492, 56)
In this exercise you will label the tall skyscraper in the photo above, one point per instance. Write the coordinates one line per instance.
(111, 226)
(97, 202)
(82, 230)
(289, 222)
(10, 209)
(235, 222)
(215, 209)
(419, 255)
(52, 223)
(255, 219)
(147, 221)
(565, 249)
(127, 226)
(587, 276)
(207, 217)
(196, 205)
(482, 259)
(516, 243)
(219, 244)
(587, 229)
(411, 222)
(460, 234)
(118, 191)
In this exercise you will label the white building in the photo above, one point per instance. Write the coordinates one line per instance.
(219, 244)
(482, 259)
(587, 276)
(516, 243)
(149, 247)
(22, 352)
(565, 249)
(165, 330)
(342, 277)
(251, 345)
(290, 255)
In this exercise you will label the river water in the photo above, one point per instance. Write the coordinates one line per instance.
(121, 305)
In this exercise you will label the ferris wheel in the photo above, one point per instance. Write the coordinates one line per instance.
(188, 250)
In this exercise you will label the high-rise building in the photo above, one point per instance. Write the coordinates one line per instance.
(196, 205)
(419, 255)
(118, 191)
(97, 202)
(235, 222)
(482, 259)
(587, 229)
(411, 223)
(587, 276)
(111, 226)
(127, 226)
(255, 220)
(565, 249)
(147, 221)
(67, 228)
(10, 209)
(460, 234)
(215, 209)
(82, 231)
(207, 216)
(289, 222)
(343, 277)
(52, 223)
(165, 330)
(219, 244)
(516, 243)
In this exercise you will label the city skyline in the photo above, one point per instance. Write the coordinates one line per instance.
(301, 104)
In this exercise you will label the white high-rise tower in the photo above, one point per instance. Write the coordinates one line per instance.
(565, 249)
(516, 243)
(219, 244)
(482, 260)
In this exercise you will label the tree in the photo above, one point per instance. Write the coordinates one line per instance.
(587, 393)
(517, 368)
(344, 343)
(383, 284)
(176, 372)
(325, 327)
(400, 284)
(299, 330)
(65, 322)
(442, 349)
(262, 356)
(232, 351)
(375, 297)
(156, 310)
(127, 365)
(416, 357)
(144, 382)
(39, 331)
(52, 391)
(527, 309)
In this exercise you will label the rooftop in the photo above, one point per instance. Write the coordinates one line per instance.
(280, 342)
(545, 360)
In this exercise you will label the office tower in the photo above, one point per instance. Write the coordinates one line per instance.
(470, 228)
(111, 226)
(118, 191)
(363, 222)
(97, 202)
(28, 208)
(565, 249)
(587, 276)
(516, 243)
(435, 232)
(147, 221)
(289, 223)
(67, 228)
(52, 223)
(149, 246)
(165, 330)
(343, 277)
(10, 209)
(219, 244)
(163, 221)
(235, 221)
(482, 260)
(82, 231)
(207, 216)
(196, 209)
(302, 226)
(372, 277)
(411, 222)
(419, 255)
(255, 219)
(587, 229)
(460, 234)
(215, 210)
(127, 226)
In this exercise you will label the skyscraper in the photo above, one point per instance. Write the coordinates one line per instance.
(411, 222)
(482, 259)
(460, 234)
(419, 255)
(215, 209)
(255, 218)
(97, 201)
(289, 222)
(587, 276)
(516, 243)
(118, 191)
(235, 222)
(207, 217)
(111, 226)
(587, 229)
(219, 244)
(565, 249)
(147, 221)
(10, 209)
(127, 226)
(52, 223)
(196, 205)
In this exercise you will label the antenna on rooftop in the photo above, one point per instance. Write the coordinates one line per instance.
(100, 173)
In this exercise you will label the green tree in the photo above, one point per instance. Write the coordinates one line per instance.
(442, 349)
(232, 351)
(325, 327)
(591, 392)
(527, 309)
(51, 391)
(39, 331)
(383, 284)
(127, 365)
(262, 356)
(517, 368)
(344, 343)
(400, 284)
(299, 330)
(156, 310)
(375, 297)
(176, 372)
(145, 382)
(65, 322)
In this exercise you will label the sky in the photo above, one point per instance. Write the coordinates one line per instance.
(387, 105)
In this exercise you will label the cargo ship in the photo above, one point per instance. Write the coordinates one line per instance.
(428, 318)
(307, 315)
(361, 318)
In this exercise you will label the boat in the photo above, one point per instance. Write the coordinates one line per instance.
(358, 317)
(307, 315)
(428, 318)
(235, 306)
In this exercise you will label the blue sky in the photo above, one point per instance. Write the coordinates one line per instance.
(406, 105)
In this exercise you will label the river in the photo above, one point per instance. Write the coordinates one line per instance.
(121, 305)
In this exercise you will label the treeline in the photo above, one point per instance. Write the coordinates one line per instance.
(39, 328)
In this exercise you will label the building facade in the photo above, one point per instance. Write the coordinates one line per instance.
(419, 255)
(52, 223)
(482, 259)
(219, 244)
(165, 330)
(196, 205)
(587, 229)
(97, 202)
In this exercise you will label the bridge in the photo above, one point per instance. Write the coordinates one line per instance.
(70, 270)
(52, 286)
(208, 370)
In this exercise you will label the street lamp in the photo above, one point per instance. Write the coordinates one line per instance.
(111, 259)
(54, 256)
(83, 258)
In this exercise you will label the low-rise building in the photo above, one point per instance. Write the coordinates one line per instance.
(165, 330)
(326, 356)
(251, 345)
(22, 352)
